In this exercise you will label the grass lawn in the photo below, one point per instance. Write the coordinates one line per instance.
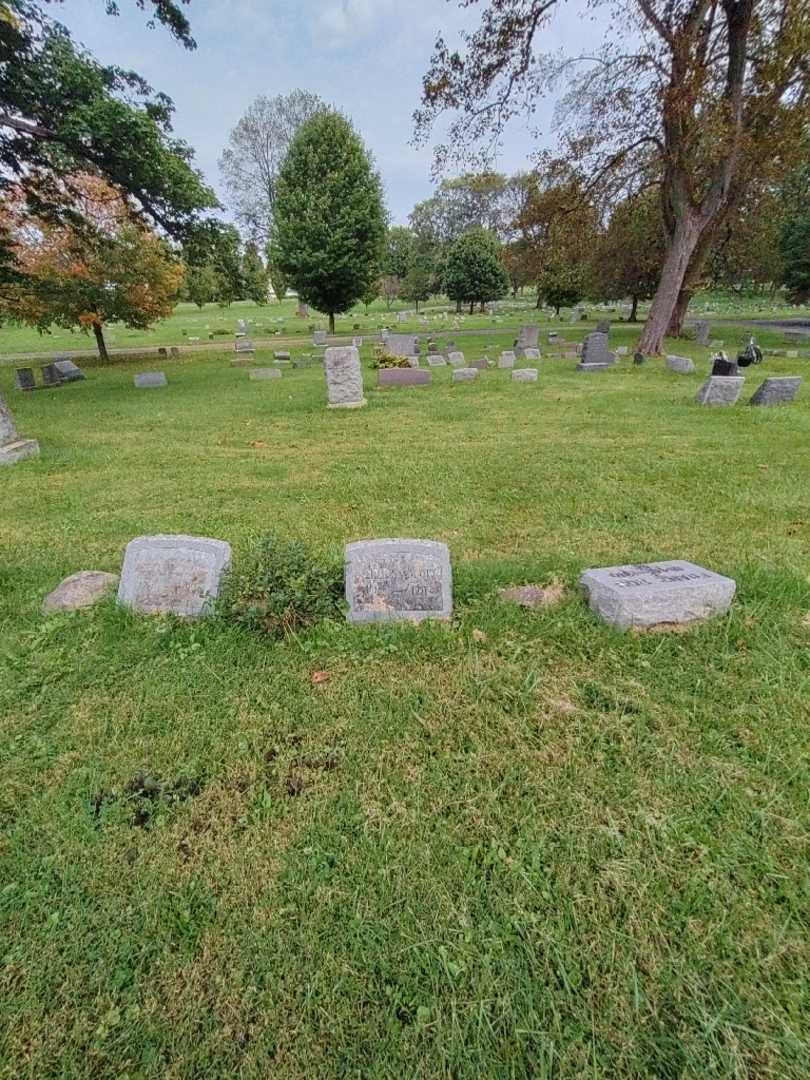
(522, 844)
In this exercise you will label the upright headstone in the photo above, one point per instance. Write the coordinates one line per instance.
(245, 345)
(465, 374)
(652, 594)
(531, 354)
(777, 390)
(595, 350)
(528, 338)
(302, 311)
(319, 337)
(173, 575)
(24, 379)
(455, 359)
(702, 331)
(526, 374)
(12, 447)
(681, 365)
(721, 365)
(344, 378)
(402, 345)
(720, 390)
(436, 360)
(398, 580)
(506, 360)
(148, 379)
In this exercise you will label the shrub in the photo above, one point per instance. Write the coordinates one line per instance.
(281, 587)
(382, 359)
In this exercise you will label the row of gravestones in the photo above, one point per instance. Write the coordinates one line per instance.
(391, 580)
(57, 373)
(722, 389)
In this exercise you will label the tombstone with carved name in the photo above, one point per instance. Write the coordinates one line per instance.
(344, 378)
(398, 580)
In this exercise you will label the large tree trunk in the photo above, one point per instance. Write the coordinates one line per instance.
(693, 275)
(98, 331)
(676, 263)
(675, 328)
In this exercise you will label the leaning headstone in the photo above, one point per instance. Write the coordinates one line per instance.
(260, 374)
(398, 580)
(319, 337)
(344, 378)
(24, 379)
(403, 377)
(681, 365)
(150, 378)
(702, 330)
(778, 390)
(456, 359)
(402, 345)
(465, 374)
(720, 390)
(79, 591)
(506, 360)
(68, 371)
(12, 447)
(173, 575)
(652, 594)
(436, 360)
(527, 374)
(51, 376)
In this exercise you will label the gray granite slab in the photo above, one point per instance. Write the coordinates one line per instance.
(592, 367)
(402, 344)
(681, 365)
(344, 378)
(435, 360)
(526, 374)
(720, 390)
(456, 359)
(777, 390)
(465, 374)
(651, 594)
(398, 580)
(150, 378)
(173, 575)
(506, 360)
(403, 377)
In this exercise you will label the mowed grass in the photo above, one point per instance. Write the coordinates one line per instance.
(518, 845)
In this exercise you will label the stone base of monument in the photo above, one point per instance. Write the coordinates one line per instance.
(398, 581)
(720, 390)
(348, 404)
(16, 451)
(655, 594)
(592, 367)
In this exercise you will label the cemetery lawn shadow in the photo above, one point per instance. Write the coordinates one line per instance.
(521, 844)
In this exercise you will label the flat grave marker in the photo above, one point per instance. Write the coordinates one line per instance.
(465, 374)
(146, 379)
(777, 390)
(261, 374)
(526, 374)
(404, 377)
(720, 390)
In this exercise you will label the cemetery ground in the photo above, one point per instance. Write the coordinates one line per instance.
(521, 843)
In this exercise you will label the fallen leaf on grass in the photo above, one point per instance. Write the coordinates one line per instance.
(258, 445)
(319, 677)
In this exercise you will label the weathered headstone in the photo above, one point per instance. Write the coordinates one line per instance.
(79, 591)
(24, 379)
(456, 359)
(51, 376)
(147, 379)
(595, 350)
(402, 345)
(702, 330)
(526, 374)
(12, 447)
(403, 377)
(68, 371)
(173, 575)
(344, 378)
(530, 354)
(777, 390)
(528, 338)
(681, 365)
(465, 374)
(282, 357)
(260, 374)
(482, 363)
(436, 360)
(319, 337)
(720, 390)
(506, 360)
(652, 594)
(245, 345)
(398, 580)
(302, 311)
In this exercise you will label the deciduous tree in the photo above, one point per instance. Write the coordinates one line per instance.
(474, 273)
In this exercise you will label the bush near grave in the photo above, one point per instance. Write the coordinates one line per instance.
(383, 359)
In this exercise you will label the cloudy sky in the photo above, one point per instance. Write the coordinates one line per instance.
(366, 57)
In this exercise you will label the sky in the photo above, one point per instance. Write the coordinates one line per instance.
(366, 57)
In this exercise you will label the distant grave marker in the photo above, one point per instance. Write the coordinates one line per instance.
(681, 365)
(524, 375)
(260, 374)
(506, 360)
(68, 371)
(147, 379)
(465, 374)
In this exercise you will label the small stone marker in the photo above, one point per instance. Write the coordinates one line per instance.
(456, 359)
(778, 390)
(163, 351)
(651, 594)
(12, 447)
(403, 377)
(481, 364)
(344, 378)
(282, 357)
(69, 371)
(245, 346)
(150, 378)
(681, 365)
(173, 575)
(260, 374)
(720, 390)
(436, 360)
(532, 596)
(526, 374)
(24, 379)
(465, 374)
(319, 337)
(79, 591)
(398, 580)
(723, 366)
(702, 330)
(506, 360)
(530, 354)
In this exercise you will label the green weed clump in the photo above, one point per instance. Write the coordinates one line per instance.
(281, 587)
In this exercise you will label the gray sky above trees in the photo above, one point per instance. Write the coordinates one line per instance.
(366, 57)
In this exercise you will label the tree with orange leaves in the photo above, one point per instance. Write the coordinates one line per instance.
(113, 269)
